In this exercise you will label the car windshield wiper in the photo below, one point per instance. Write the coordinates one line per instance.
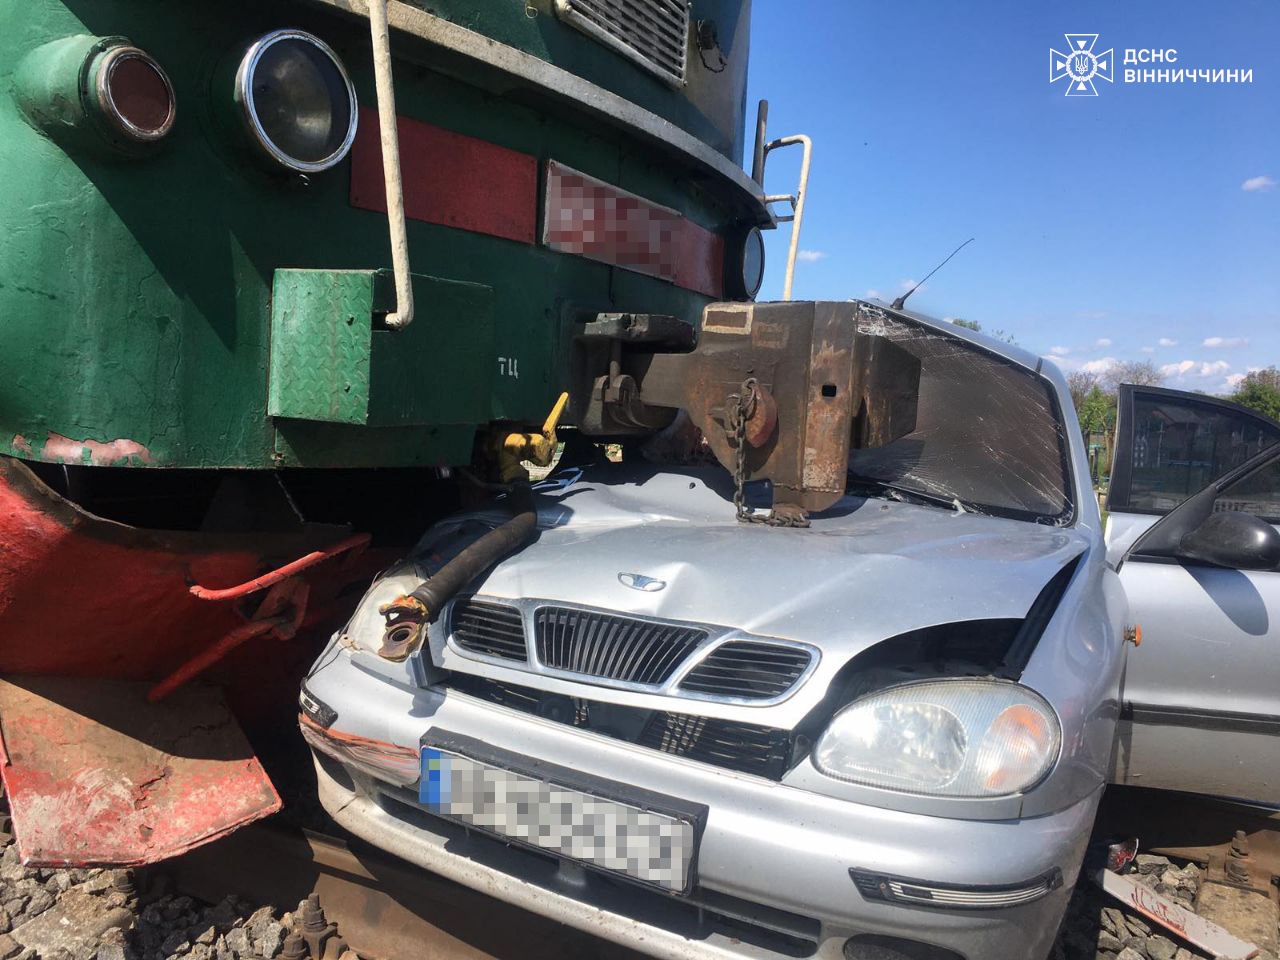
(895, 491)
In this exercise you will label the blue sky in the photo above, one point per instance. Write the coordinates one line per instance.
(1143, 223)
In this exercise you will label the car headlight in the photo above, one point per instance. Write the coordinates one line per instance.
(367, 625)
(297, 101)
(953, 738)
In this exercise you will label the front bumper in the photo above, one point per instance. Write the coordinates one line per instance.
(773, 864)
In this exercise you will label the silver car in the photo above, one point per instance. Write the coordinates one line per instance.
(885, 735)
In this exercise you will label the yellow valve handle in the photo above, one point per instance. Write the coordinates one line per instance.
(553, 418)
(537, 448)
(540, 448)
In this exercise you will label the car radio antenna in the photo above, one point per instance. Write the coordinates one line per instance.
(898, 304)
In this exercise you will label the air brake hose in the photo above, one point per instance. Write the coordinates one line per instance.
(408, 616)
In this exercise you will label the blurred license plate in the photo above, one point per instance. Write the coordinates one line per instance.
(650, 847)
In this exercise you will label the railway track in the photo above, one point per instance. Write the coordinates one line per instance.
(382, 908)
(340, 899)
(385, 909)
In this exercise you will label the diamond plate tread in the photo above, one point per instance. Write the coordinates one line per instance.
(321, 345)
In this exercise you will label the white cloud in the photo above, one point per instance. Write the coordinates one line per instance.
(1196, 368)
(1166, 342)
(1178, 369)
(1147, 350)
(811, 256)
(1224, 342)
(1235, 380)
(1255, 184)
(1101, 365)
(1102, 342)
(874, 295)
(1059, 351)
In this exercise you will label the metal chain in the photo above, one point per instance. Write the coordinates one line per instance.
(739, 409)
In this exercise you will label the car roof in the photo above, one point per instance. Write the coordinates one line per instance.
(1009, 351)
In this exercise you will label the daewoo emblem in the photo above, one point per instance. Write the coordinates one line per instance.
(638, 581)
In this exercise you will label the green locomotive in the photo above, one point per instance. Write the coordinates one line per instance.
(237, 360)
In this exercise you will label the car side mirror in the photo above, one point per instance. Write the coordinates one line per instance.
(1232, 539)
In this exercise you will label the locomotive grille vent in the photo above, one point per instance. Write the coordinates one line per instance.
(653, 33)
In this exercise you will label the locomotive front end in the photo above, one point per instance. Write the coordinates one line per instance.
(246, 333)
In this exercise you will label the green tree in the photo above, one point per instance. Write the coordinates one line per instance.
(1080, 383)
(1260, 391)
(1097, 412)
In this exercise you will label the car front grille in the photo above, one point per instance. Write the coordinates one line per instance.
(653, 33)
(744, 747)
(612, 647)
(748, 670)
(491, 629)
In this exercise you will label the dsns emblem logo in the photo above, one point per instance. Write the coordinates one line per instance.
(1080, 65)
(638, 581)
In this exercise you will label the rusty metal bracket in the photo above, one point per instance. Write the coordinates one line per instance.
(655, 328)
(832, 384)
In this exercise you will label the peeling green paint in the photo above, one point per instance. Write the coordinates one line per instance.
(136, 292)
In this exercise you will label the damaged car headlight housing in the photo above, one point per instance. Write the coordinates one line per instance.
(950, 738)
(367, 625)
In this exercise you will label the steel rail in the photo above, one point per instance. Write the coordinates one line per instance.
(383, 907)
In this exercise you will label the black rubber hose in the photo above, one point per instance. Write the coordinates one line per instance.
(501, 542)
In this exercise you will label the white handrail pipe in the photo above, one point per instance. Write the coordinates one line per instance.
(797, 202)
(403, 314)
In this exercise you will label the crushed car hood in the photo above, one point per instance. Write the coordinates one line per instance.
(866, 570)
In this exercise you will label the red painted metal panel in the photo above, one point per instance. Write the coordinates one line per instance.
(82, 597)
(96, 775)
(449, 179)
(700, 260)
(599, 221)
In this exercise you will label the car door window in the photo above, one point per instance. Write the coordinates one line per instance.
(1258, 494)
(1171, 444)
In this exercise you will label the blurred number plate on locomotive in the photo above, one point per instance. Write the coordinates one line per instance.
(646, 846)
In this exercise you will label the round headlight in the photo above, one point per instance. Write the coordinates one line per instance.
(134, 94)
(954, 738)
(297, 101)
(744, 264)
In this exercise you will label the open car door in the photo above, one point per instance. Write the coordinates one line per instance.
(1193, 502)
